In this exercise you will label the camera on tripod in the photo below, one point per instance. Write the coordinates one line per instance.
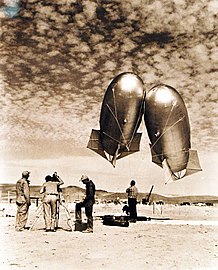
(55, 177)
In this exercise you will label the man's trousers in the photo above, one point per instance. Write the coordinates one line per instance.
(50, 211)
(88, 211)
(132, 208)
(21, 216)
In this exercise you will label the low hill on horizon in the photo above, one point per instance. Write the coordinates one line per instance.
(75, 193)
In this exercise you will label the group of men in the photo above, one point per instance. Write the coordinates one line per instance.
(51, 196)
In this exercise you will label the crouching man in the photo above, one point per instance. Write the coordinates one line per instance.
(87, 203)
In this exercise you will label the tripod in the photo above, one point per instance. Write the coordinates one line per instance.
(39, 211)
(67, 212)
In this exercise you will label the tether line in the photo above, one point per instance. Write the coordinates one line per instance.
(141, 108)
(166, 131)
(117, 122)
(168, 118)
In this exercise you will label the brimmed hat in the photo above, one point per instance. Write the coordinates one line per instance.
(25, 173)
(83, 178)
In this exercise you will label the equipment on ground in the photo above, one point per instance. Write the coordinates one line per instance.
(111, 220)
(147, 200)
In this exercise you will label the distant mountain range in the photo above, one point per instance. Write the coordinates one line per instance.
(74, 193)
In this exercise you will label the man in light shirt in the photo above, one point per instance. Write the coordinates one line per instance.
(132, 192)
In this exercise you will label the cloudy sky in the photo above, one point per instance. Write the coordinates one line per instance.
(57, 59)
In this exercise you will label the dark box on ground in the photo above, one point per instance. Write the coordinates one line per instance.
(111, 220)
(80, 227)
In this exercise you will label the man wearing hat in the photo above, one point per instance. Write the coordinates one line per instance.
(22, 201)
(132, 192)
(87, 203)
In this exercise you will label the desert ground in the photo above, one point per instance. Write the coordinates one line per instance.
(177, 237)
(56, 61)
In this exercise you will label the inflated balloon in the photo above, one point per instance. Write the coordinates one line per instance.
(168, 128)
(121, 114)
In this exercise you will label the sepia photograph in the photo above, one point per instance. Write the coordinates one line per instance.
(108, 134)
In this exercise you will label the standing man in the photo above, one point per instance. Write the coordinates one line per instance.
(132, 192)
(50, 189)
(22, 201)
(87, 203)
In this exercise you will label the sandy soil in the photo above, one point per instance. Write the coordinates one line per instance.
(189, 240)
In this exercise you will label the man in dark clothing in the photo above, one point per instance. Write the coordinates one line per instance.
(22, 201)
(132, 192)
(87, 203)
